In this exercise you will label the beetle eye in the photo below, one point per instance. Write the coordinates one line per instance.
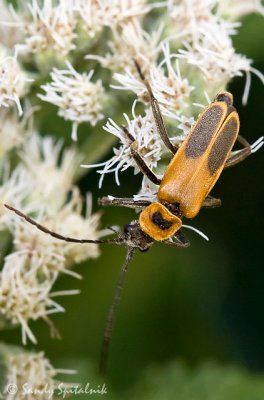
(158, 222)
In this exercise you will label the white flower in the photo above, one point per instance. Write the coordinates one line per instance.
(188, 15)
(149, 145)
(49, 27)
(98, 13)
(29, 273)
(216, 58)
(148, 191)
(169, 88)
(11, 29)
(184, 126)
(30, 373)
(13, 130)
(50, 169)
(13, 82)
(206, 38)
(14, 189)
(236, 9)
(24, 295)
(118, 12)
(91, 15)
(132, 43)
(56, 255)
(72, 223)
(78, 99)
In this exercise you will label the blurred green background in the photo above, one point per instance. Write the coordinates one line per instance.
(185, 315)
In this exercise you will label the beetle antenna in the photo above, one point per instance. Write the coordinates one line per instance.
(143, 78)
(112, 311)
(57, 235)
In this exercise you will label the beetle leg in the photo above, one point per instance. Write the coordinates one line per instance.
(240, 155)
(139, 160)
(144, 168)
(243, 141)
(123, 201)
(211, 202)
(180, 240)
(156, 112)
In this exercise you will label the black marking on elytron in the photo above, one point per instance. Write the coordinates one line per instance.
(158, 220)
(203, 132)
(222, 145)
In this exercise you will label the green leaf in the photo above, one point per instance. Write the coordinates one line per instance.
(206, 382)
(96, 146)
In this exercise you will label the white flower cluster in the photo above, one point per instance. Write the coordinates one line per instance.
(48, 26)
(129, 44)
(97, 14)
(45, 33)
(170, 89)
(11, 28)
(29, 375)
(186, 63)
(13, 130)
(14, 189)
(54, 25)
(198, 31)
(44, 157)
(235, 9)
(78, 99)
(13, 82)
(141, 128)
(184, 50)
(22, 294)
(205, 31)
(41, 184)
(37, 174)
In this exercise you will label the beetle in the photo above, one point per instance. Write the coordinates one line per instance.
(184, 189)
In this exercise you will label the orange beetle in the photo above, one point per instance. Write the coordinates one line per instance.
(194, 169)
(183, 190)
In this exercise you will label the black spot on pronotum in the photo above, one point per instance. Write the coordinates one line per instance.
(158, 220)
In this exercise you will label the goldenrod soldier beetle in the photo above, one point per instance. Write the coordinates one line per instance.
(183, 190)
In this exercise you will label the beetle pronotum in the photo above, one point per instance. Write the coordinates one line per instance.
(183, 190)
